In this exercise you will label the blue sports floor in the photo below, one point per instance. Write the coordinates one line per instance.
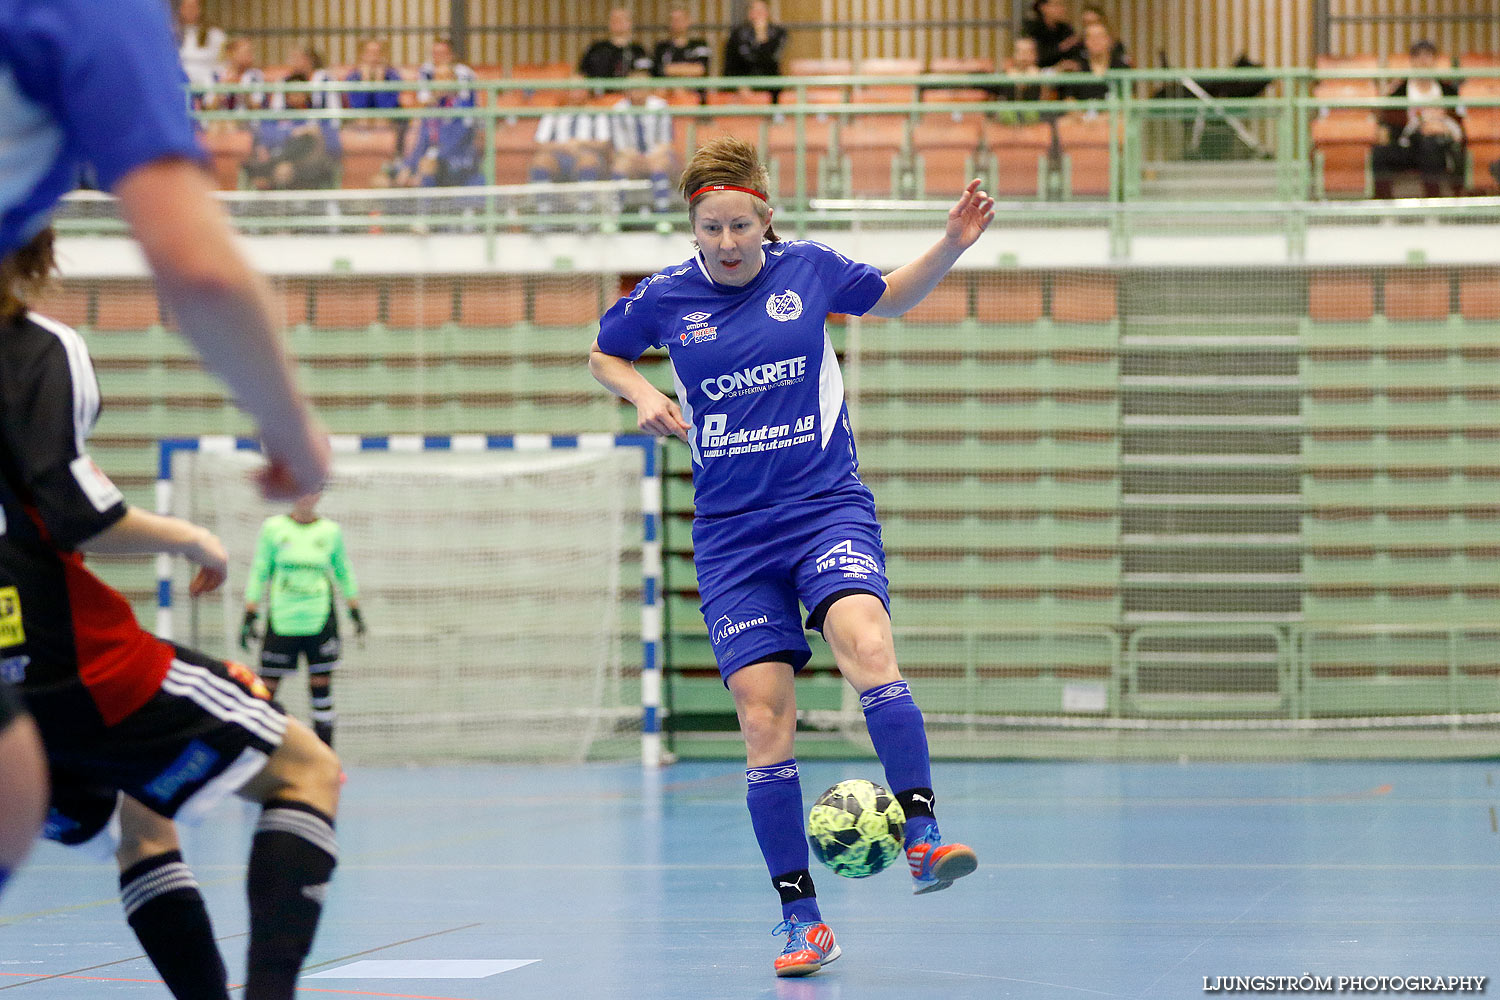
(1095, 880)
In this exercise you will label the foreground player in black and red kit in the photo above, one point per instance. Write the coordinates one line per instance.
(122, 713)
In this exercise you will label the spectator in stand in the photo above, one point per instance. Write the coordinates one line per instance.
(641, 137)
(1076, 58)
(294, 154)
(1100, 56)
(443, 66)
(199, 46)
(678, 54)
(754, 46)
(442, 152)
(1425, 136)
(373, 67)
(571, 146)
(619, 54)
(307, 63)
(1053, 33)
(239, 67)
(1022, 62)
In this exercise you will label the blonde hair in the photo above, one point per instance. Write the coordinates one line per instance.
(25, 272)
(727, 160)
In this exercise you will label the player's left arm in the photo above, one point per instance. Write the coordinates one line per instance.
(910, 283)
(343, 572)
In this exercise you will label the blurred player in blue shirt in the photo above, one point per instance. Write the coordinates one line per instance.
(99, 85)
(782, 518)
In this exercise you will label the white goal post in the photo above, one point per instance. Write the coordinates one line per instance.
(491, 571)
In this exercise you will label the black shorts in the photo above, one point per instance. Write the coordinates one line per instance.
(278, 654)
(198, 739)
(10, 706)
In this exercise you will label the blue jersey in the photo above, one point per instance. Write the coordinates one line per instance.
(756, 375)
(83, 84)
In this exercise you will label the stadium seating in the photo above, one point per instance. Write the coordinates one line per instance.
(1482, 134)
(1020, 154)
(1083, 144)
(782, 143)
(1343, 137)
(365, 152)
(945, 153)
(873, 151)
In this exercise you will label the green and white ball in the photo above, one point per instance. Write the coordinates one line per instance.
(856, 828)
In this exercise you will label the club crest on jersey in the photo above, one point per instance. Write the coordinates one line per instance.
(785, 307)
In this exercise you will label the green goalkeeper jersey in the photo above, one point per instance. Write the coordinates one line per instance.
(298, 561)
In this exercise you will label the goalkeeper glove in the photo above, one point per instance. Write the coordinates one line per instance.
(247, 630)
(359, 626)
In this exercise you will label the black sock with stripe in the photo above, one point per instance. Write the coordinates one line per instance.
(166, 911)
(291, 860)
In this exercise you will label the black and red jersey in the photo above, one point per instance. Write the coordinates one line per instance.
(65, 635)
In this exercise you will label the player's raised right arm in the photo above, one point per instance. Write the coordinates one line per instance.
(656, 413)
(226, 310)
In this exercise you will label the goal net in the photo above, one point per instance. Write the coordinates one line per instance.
(502, 590)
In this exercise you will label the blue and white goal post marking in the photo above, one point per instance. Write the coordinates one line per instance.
(651, 525)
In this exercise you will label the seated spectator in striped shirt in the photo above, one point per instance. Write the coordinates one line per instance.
(443, 66)
(571, 146)
(239, 67)
(373, 67)
(677, 54)
(641, 141)
(441, 152)
(619, 54)
(291, 153)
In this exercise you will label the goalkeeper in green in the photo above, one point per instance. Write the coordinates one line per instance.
(300, 555)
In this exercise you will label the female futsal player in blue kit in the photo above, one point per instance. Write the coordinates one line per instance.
(781, 515)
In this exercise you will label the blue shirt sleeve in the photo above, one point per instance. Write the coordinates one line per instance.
(121, 92)
(852, 287)
(628, 328)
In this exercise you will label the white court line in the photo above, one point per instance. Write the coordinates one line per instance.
(437, 968)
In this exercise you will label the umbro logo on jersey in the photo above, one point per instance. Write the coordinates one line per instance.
(785, 307)
(697, 317)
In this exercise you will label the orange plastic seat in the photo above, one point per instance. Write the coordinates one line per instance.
(1343, 140)
(956, 65)
(365, 151)
(782, 141)
(873, 148)
(1020, 154)
(570, 300)
(491, 301)
(1479, 294)
(738, 97)
(346, 304)
(805, 66)
(1417, 294)
(1007, 297)
(1084, 142)
(946, 151)
(126, 305)
(412, 304)
(890, 67)
(1340, 296)
(1079, 297)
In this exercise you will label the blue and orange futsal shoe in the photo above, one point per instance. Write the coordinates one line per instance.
(809, 947)
(935, 865)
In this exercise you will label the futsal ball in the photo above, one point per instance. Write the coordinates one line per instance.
(856, 828)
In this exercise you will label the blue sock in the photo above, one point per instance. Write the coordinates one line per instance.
(774, 795)
(895, 724)
(661, 191)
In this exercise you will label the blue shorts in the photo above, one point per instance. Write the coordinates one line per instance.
(754, 568)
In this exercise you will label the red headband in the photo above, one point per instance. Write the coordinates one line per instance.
(711, 188)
